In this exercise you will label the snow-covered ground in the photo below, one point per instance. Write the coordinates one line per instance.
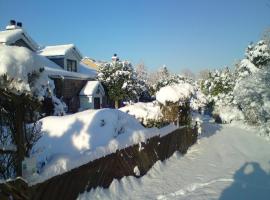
(228, 162)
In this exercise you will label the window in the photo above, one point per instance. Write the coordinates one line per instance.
(71, 65)
(58, 61)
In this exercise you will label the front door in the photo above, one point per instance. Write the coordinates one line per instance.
(96, 103)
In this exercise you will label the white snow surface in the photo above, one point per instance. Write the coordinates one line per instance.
(228, 162)
(9, 36)
(73, 140)
(57, 50)
(90, 88)
(175, 93)
(84, 69)
(144, 111)
(12, 35)
(18, 62)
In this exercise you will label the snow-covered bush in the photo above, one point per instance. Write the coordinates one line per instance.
(252, 95)
(25, 73)
(170, 79)
(218, 82)
(149, 114)
(258, 54)
(178, 100)
(143, 81)
(218, 87)
(120, 81)
(251, 92)
(23, 87)
(257, 57)
(17, 112)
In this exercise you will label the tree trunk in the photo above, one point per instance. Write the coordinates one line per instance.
(19, 138)
(116, 104)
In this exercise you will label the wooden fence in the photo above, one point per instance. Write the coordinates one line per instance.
(101, 172)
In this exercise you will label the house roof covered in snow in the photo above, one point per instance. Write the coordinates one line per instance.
(84, 69)
(19, 61)
(55, 71)
(59, 50)
(90, 63)
(11, 36)
(91, 87)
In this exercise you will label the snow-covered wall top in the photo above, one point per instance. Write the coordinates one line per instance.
(87, 136)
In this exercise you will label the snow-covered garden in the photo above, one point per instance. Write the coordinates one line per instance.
(230, 108)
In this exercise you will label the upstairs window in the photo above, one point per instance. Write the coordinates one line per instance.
(71, 65)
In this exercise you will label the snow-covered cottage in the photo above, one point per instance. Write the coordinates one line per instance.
(92, 96)
(67, 56)
(61, 62)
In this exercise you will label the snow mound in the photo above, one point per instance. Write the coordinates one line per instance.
(86, 136)
(174, 93)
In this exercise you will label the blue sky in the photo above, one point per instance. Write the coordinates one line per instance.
(183, 34)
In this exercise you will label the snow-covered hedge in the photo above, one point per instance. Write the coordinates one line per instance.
(178, 100)
(149, 114)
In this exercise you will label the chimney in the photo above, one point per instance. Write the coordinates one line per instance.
(12, 22)
(115, 58)
(12, 25)
(19, 24)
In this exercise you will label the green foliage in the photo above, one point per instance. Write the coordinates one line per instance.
(258, 54)
(120, 81)
(169, 80)
(218, 82)
(174, 112)
(150, 123)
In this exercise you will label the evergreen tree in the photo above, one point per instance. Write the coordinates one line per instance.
(120, 81)
(251, 92)
(257, 57)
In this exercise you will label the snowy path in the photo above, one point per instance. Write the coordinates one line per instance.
(229, 163)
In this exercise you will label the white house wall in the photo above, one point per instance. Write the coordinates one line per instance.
(86, 102)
